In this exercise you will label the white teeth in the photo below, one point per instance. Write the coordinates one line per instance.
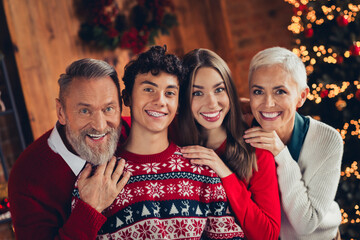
(155, 114)
(210, 115)
(270, 115)
(96, 136)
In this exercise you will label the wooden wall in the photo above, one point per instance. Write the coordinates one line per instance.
(45, 35)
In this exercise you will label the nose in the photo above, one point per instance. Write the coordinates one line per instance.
(211, 100)
(160, 99)
(99, 121)
(270, 102)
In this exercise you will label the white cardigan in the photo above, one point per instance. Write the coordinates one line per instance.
(308, 187)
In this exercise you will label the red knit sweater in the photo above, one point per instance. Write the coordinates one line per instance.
(40, 187)
(168, 198)
(257, 204)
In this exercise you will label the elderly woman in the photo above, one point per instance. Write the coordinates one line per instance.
(307, 152)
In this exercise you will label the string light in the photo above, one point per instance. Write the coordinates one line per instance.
(334, 90)
(310, 15)
(355, 124)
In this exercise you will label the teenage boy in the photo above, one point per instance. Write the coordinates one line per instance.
(166, 197)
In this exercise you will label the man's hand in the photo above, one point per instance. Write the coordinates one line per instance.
(101, 189)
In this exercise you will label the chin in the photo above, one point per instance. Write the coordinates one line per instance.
(268, 127)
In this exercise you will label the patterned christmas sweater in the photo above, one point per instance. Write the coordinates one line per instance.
(168, 198)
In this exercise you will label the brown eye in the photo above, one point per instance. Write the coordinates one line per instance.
(220, 89)
(280, 92)
(148, 90)
(197, 93)
(257, 92)
(84, 111)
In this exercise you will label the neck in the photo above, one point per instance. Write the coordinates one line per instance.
(285, 134)
(146, 143)
(215, 137)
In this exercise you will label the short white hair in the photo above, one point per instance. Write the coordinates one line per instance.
(288, 60)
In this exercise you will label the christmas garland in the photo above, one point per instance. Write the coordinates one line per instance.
(135, 26)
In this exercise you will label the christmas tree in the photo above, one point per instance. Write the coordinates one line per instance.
(327, 38)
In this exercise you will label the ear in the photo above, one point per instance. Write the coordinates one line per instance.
(303, 95)
(60, 111)
(126, 98)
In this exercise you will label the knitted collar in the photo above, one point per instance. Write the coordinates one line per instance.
(301, 127)
(158, 157)
(220, 151)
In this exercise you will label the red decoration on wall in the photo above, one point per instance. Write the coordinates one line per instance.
(107, 26)
(135, 40)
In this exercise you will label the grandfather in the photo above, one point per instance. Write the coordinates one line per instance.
(84, 139)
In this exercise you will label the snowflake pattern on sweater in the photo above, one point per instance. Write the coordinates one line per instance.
(168, 198)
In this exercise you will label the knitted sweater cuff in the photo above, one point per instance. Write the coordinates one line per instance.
(281, 158)
(91, 219)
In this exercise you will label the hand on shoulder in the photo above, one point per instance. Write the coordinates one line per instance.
(205, 156)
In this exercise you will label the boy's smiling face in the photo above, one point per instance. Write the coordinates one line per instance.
(154, 101)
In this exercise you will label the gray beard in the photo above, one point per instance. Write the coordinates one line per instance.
(98, 155)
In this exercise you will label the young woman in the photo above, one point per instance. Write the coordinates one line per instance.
(211, 128)
(307, 152)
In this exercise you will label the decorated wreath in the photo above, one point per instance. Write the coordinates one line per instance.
(106, 25)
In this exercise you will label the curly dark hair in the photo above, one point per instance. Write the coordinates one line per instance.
(155, 60)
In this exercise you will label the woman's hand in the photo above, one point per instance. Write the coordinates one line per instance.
(204, 156)
(269, 140)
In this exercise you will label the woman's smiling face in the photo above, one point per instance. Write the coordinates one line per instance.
(210, 101)
(274, 98)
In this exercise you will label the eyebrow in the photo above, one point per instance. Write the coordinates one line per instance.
(173, 86)
(276, 87)
(83, 104)
(216, 85)
(89, 105)
(150, 83)
(155, 85)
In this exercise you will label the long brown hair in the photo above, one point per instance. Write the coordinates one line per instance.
(239, 156)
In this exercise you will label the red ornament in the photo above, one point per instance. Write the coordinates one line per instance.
(4, 206)
(301, 8)
(342, 21)
(354, 50)
(357, 94)
(324, 93)
(339, 59)
(308, 32)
